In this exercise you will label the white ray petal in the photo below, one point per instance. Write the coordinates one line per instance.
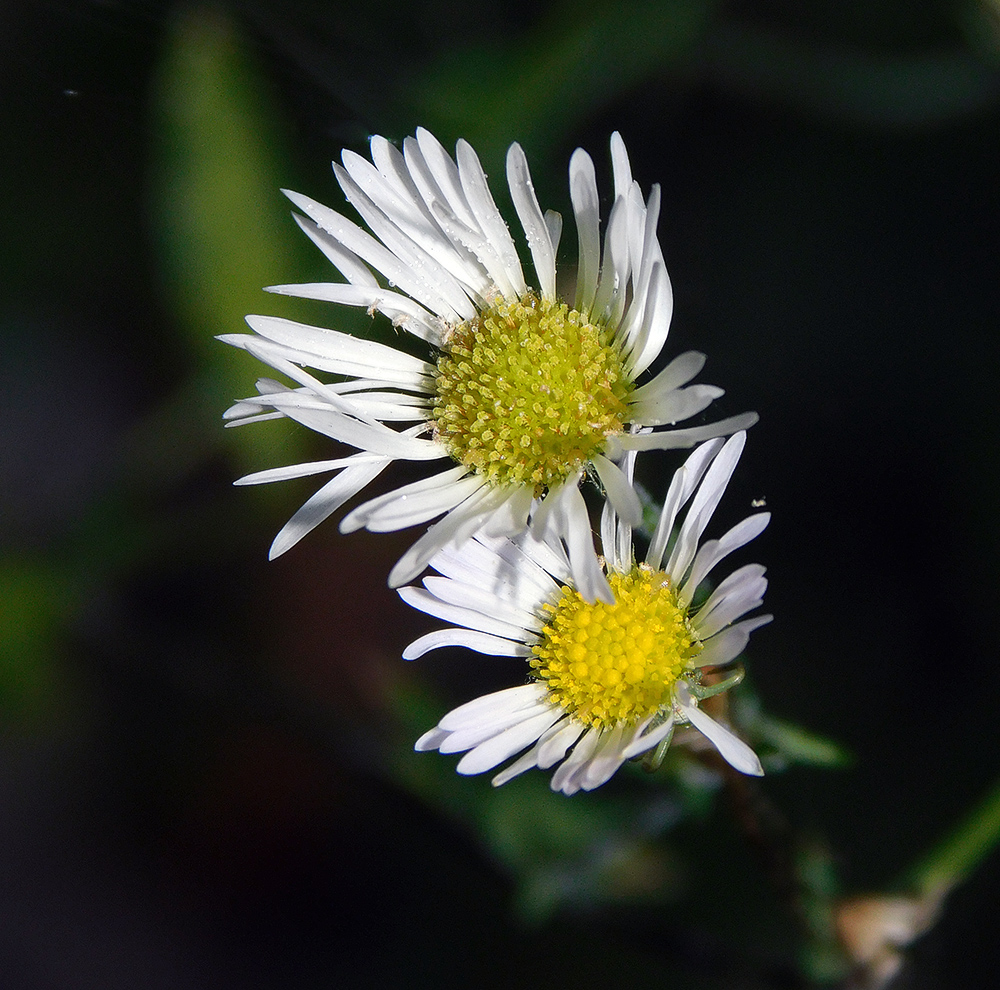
(677, 373)
(324, 503)
(553, 745)
(554, 225)
(434, 278)
(526, 762)
(728, 644)
(493, 751)
(342, 353)
(344, 260)
(522, 193)
(306, 470)
(494, 705)
(682, 403)
(712, 551)
(495, 646)
(620, 166)
(606, 761)
(486, 735)
(641, 742)
(442, 481)
(613, 281)
(676, 439)
(682, 486)
(376, 254)
(430, 740)
(733, 749)
(619, 490)
(457, 526)
(488, 216)
(412, 509)
(586, 210)
(567, 773)
(485, 602)
(704, 504)
(738, 594)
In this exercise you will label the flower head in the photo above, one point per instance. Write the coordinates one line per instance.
(608, 681)
(523, 391)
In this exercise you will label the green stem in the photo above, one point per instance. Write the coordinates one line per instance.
(961, 851)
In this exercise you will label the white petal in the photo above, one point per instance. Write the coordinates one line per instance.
(682, 486)
(563, 516)
(712, 552)
(656, 317)
(324, 503)
(457, 526)
(526, 762)
(613, 281)
(682, 403)
(474, 736)
(439, 486)
(619, 491)
(396, 271)
(484, 601)
(703, 505)
(433, 280)
(730, 643)
(340, 352)
(586, 209)
(424, 600)
(490, 706)
(553, 745)
(738, 594)
(503, 571)
(431, 739)
(345, 261)
(488, 216)
(565, 777)
(493, 751)
(470, 639)
(532, 220)
(677, 373)
(306, 470)
(733, 749)
(620, 165)
(554, 225)
(606, 761)
(641, 743)
(405, 510)
(402, 310)
(674, 439)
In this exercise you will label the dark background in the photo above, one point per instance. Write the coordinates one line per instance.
(206, 772)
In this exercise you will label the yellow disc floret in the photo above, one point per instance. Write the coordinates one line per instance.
(528, 391)
(616, 663)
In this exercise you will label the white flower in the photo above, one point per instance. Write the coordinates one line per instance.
(523, 393)
(608, 681)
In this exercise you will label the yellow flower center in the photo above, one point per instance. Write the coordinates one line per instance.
(528, 391)
(616, 663)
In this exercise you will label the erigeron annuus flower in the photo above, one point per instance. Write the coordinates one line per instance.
(523, 391)
(608, 681)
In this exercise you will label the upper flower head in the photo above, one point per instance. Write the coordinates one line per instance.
(608, 680)
(524, 391)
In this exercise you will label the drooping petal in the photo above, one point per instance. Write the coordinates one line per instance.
(733, 749)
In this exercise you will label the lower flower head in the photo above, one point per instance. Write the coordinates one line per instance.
(607, 680)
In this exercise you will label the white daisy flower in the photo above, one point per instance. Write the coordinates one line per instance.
(608, 682)
(524, 392)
